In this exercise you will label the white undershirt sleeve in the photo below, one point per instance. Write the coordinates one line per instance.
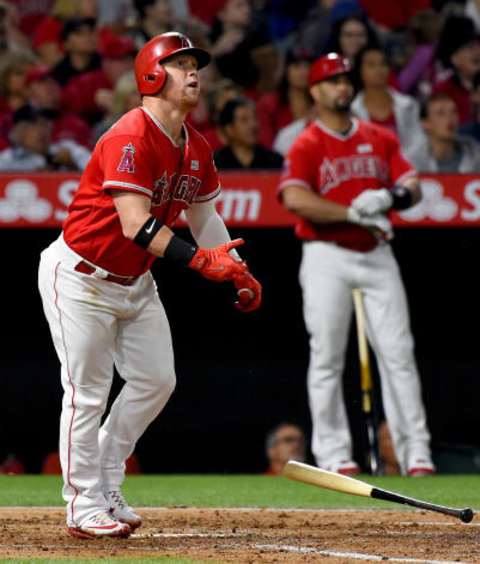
(206, 225)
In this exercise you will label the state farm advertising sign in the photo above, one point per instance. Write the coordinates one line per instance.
(247, 200)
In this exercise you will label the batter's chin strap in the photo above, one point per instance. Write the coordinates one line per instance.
(402, 197)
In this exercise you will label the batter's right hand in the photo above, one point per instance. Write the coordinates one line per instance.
(217, 264)
(249, 292)
(379, 225)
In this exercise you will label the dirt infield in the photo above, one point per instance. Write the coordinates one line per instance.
(251, 536)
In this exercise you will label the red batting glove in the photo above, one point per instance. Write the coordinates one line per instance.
(249, 292)
(216, 264)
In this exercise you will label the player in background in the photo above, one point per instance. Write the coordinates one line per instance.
(341, 178)
(98, 294)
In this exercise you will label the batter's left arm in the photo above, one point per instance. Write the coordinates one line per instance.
(206, 225)
(209, 230)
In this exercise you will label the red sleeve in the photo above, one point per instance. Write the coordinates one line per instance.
(210, 187)
(298, 168)
(399, 167)
(127, 165)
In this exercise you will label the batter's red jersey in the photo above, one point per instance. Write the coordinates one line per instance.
(136, 155)
(340, 167)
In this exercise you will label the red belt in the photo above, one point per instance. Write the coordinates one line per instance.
(86, 268)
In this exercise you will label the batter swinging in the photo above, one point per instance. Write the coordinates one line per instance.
(341, 177)
(99, 297)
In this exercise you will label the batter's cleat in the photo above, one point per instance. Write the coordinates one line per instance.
(120, 510)
(421, 467)
(344, 467)
(101, 525)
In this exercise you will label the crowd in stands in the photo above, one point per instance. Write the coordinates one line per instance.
(66, 74)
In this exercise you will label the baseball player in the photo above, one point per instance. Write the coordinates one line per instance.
(98, 295)
(341, 177)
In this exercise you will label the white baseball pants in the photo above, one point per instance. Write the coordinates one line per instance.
(328, 274)
(95, 324)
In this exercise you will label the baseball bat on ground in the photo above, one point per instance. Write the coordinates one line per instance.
(366, 385)
(339, 483)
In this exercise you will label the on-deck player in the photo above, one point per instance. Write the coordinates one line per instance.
(98, 294)
(341, 177)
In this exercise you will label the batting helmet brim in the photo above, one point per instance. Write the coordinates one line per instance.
(203, 57)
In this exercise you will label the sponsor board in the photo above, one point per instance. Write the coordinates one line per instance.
(246, 200)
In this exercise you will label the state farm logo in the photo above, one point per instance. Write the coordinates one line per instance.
(433, 205)
(21, 201)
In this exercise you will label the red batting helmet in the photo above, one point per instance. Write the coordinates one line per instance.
(328, 66)
(149, 73)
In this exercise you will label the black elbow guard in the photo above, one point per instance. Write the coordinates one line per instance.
(147, 232)
(402, 197)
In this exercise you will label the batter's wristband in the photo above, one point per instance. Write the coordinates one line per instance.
(147, 232)
(180, 251)
(402, 197)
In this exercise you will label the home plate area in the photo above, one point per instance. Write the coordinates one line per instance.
(251, 536)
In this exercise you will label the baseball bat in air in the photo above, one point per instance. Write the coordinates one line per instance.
(339, 483)
(366, 384)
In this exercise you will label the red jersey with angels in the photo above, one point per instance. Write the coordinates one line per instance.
(339, 167)
(136, 155)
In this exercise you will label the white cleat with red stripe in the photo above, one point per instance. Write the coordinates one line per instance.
(121, 511)
(100, 525)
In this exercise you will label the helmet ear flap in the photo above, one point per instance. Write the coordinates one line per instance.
(153, 82)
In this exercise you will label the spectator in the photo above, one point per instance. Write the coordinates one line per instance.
(12, 40)
(378, 103)
(419, 68)
(287, 135)
(125, 98)
(79, 43)
(472, 11)
(285, 442)
(441, 149)
(12, 82)
(459, 50)
(349, 35)
(290, 102)
(44, 93)
(239, 123)
(266, 63)
(12, 466)
(222, 91)
(160, 16)
(155, 17)
(90, 94)
(388, 458)
(233, 36)
(472, 128)
(314, 31)
(31, 150)
(47, 36)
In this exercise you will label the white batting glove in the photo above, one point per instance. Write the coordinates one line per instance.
(378, 224)
(371, 202)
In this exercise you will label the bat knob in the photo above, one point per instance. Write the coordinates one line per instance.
(466, 515)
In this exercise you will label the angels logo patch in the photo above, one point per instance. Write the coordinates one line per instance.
(127, 163)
